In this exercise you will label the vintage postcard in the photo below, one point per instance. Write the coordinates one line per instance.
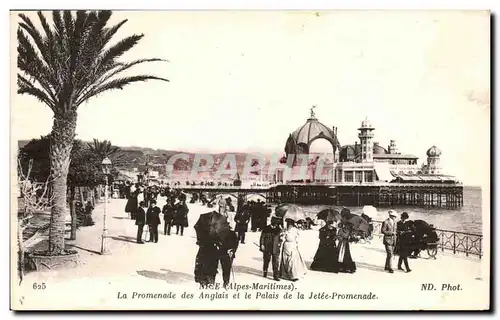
(250, 160)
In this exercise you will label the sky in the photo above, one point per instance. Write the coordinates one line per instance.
(243, 81)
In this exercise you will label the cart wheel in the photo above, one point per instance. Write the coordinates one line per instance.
(432, 252)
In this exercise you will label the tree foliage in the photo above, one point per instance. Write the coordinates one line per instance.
(84, 170)
(64, 65)
(73, 61)
(104, 149)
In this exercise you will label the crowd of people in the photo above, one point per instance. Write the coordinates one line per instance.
(142, 207)
(279, 240)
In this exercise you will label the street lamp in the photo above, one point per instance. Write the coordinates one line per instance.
(106, 169)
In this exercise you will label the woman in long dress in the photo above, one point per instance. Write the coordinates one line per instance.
(345, 262)
(132, 203)
(327, 254)
(292, 266)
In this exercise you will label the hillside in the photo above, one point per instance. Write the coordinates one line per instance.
(136, 157)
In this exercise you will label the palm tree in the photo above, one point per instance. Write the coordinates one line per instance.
(64, 66)
(106, 149)
(103, 148)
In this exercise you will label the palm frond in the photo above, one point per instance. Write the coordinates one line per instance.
(32, 65)
(120, 48)
(71, 60)
(110, 32)
(26, 87)
(69, 24)
(118, 84)
(117, 68)
(103, 148)
(45, 26)
(103, 17)
(58, 23)
(29, 27)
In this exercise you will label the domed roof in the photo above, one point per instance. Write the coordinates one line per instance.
(312, 130)
(378, 149)
(433, 152)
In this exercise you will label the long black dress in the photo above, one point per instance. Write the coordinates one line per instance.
(327, 254)
(132, 204)
(213, 247)
(346, 264)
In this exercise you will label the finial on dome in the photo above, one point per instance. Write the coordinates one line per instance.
(312, 111)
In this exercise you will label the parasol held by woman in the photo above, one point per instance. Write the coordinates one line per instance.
(344, 235)
(326, 257)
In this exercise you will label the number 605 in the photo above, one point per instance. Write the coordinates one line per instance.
(39, 286)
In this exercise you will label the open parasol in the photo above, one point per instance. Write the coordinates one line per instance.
(213, 228)
(255, 197)
(281, 209)
(358, 223)
(290, 211)
(329, 214)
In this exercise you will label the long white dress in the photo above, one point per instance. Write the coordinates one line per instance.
(140, 197)
(292, 265)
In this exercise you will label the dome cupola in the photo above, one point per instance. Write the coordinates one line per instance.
(433, 152)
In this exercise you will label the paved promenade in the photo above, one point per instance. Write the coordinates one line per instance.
(167, 266)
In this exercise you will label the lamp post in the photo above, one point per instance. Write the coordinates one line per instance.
(106, 168)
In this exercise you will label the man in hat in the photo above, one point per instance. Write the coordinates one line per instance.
(214, 248)
(181, 211)
(403, 232)
(389, 231)
(270, 246)
(153, 220)
(168, 215)
(140, 220)
(222, 207)
(241, 219)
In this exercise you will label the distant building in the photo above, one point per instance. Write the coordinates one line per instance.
(433, 165)
(365, 161)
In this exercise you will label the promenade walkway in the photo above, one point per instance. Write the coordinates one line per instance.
(168, 267)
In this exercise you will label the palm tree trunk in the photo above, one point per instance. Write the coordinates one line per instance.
(82, 200)
(61, 143)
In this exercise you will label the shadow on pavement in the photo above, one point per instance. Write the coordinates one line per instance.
(169, 276)
(258, 259)
(84, 249)
(122, 218)
(368, 266)
(125, 239)
(382, 250)
(247, 270)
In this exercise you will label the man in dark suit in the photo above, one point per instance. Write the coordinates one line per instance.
(242, 218)
(140, 220)
(168, 215)
(389, 231)
(403, 236)
(181, 214)
(270, 245)
(153, 220)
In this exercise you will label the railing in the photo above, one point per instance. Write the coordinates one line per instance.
(227, 187)
(456, 242)
(321, 183)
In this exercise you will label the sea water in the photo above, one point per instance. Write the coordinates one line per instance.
(465, 219)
